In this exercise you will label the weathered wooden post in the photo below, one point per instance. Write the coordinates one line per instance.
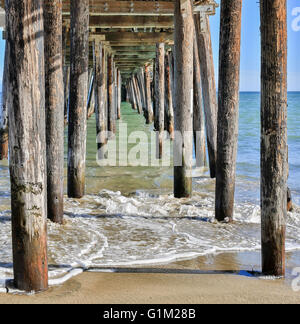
(141, 81)
(160, 94)
(149, 118)
(127, 93)
(199, 131)
(4, 111)
(27, 142)
(66, 92)
(91, 95)
(101, 122)
(78, 93)
(203, 35)
(133, 96)
(66, 71)
(137, 95)
(119, 94)
(105, 86)
(183, 100)
(169, 97)
(273, 134)
(111, 98)
(228, 110)
(54, 100)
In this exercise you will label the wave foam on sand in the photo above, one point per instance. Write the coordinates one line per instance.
(146, 228)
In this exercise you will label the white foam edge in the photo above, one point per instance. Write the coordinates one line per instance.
(66, 277)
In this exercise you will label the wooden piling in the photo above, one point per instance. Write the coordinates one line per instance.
(160, 95)
(169, 97)
(27, 142)
(141, 84)
(229, 75)
(78, 94)
(54, 103)
(101, 122)
(111, 98)
(105, 86)
(133, 94)
(274, 167)
(66, 72)
(203, 36)
(149, 115)
(119, 97)
(183, 100)
(66, 92)
(199, 131)
(91, 95)
(137, 94)
(4, 112)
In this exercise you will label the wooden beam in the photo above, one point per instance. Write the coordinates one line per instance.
(130, 21)
(131, 60)
(143, 38)
(132, 48)
(127, 8)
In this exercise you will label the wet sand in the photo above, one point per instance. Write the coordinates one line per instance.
(177, 283)
(112, 288)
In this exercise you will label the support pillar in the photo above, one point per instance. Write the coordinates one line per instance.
(79, 59)
(169, 96)
(4, 111)
(183, 100)
(66, 71)
(149, 118)
(228, 111)
(111, 98)
(137, 94)
(27, 143)
(99, 93)
(54, 99)
(274, 166)
(119, 82)
(199, 131)
(203, 35)
(160, 95)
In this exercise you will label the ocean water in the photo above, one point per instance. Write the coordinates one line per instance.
(129, 216)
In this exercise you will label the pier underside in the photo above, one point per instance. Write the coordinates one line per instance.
(129, 30)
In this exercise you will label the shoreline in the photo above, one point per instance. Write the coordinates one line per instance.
(222, 278)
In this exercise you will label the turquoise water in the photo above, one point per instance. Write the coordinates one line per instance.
(129, 216)
(248, 164)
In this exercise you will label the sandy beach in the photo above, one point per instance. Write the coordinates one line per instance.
(177, 283)
(111, 288)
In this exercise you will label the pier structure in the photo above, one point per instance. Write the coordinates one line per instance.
(67, 60)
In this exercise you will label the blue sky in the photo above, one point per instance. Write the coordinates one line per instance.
(250, 51)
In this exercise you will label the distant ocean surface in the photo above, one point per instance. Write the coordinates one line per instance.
(129, 216)
(248, 164)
